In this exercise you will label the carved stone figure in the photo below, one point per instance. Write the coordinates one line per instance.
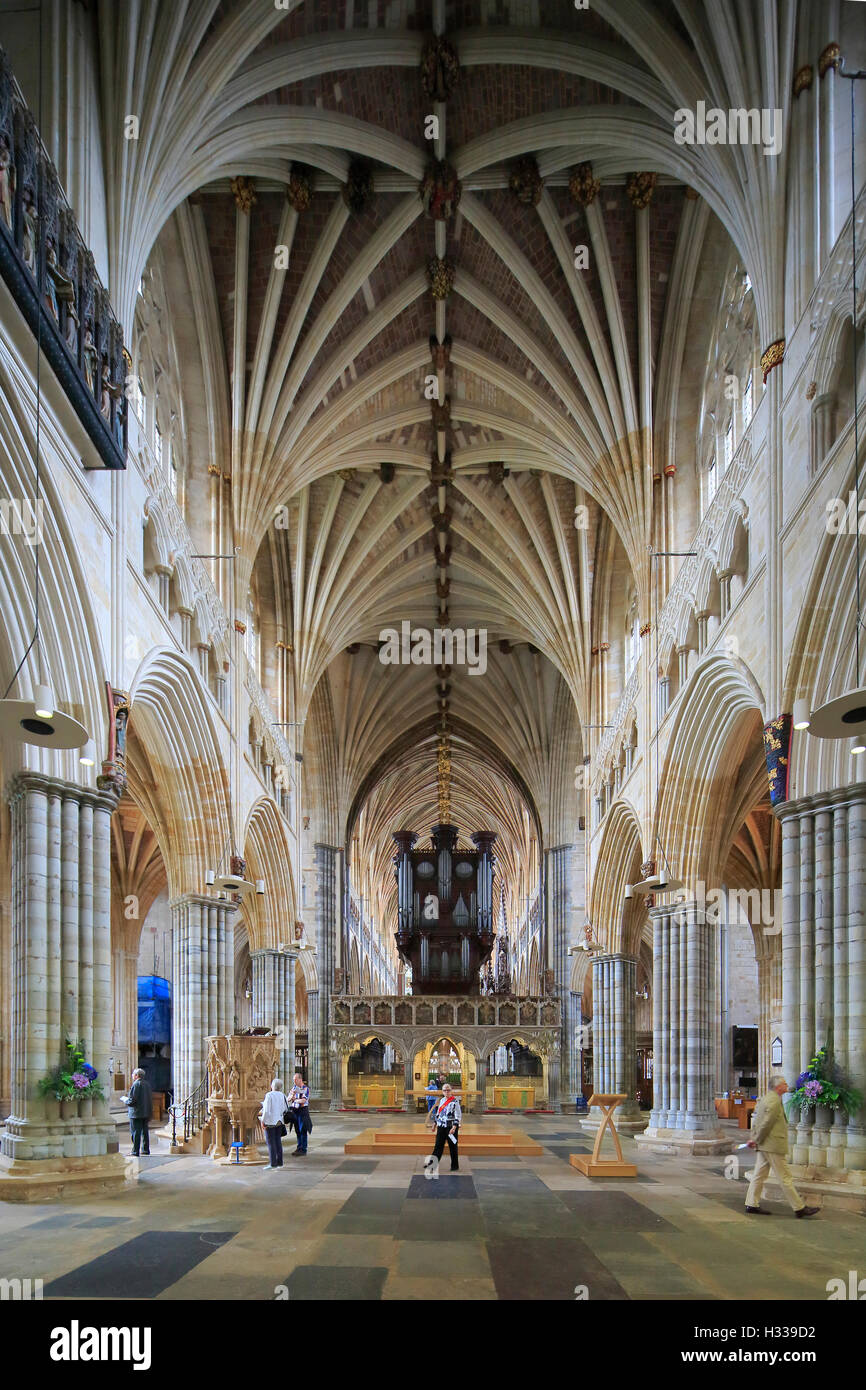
(525, 181)
(58, 286)
(440, 67)
(358, 188)
(440, 190)
(29, 231)
(7, 180)
(109, 392)
(90, 355)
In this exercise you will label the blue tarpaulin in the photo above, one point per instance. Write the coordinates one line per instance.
(154, 1009)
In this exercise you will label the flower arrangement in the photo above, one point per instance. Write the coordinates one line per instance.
(74, 1079)
(820, 1084)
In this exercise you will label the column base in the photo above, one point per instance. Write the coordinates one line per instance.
(247, 1157)
(630, 1122)
(843, 1189)
(685, 1141)
(48, 1180)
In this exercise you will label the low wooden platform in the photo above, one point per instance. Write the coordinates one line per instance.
(474, 1141)
(604, 1168)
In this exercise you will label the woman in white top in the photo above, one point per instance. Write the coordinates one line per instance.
(274, 1107)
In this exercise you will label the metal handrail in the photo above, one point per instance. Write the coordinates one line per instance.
(193, 1110)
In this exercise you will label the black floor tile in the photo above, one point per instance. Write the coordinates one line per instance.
(522, 1183)
(95, 1221)
(530, 1215)
(58, 1221)
(139, 1268)
(613, 1211)
(357, 1165)
(451, 1186)
(527, 1268)
(336, 1283)
(374, 1201)
(459, 1220)
(381, 1223)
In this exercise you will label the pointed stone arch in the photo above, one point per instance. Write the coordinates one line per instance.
(177, 768)
(713, 732)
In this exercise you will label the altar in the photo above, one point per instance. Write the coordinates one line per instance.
(512, 1097)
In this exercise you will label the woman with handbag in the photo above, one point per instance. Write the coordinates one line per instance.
(274, 1107)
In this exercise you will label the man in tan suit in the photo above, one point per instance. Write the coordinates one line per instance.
(770, 1128)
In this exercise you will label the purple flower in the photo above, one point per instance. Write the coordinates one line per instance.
(813, 1089)
(90, 1071)
(803, 1078)
(80, 1081)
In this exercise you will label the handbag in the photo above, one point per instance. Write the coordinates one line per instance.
(282, 1131)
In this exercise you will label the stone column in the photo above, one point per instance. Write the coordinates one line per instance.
(664, 696)
(684, 1011)
(202, 985)
(725, 593)
(317, 1055)
(824, 960)
(409, 1083)
(186, 616)
(163, 573)
(562, 870)
(614, 982)
(203, 661)
(221, 682)
(682, 666)
(327, 922)
(61, 987)
(124, 1037)
(274, 1003)
(821, 429)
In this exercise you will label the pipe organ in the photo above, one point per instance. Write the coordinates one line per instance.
(444, 909)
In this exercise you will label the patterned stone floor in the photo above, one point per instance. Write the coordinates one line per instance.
(332, 1227)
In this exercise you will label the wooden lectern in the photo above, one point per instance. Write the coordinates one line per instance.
(594, 1166)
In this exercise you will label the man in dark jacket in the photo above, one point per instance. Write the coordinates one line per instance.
(139, 1106)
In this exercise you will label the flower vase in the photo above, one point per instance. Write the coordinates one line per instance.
(69, 1109)
(823, 1116)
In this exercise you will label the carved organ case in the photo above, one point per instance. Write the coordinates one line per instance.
(445, 909)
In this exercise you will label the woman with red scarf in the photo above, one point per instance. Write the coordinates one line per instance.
(445, 1120)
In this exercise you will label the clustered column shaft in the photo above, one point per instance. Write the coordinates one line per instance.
(614, 1048)
(203, 965)
(684, 1013)
(61, 960)
(274, 1003)
(824, 959)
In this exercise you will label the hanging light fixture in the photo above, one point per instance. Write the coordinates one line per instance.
(846, 714)
(802, 716)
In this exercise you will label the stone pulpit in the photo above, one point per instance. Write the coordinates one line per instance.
(240, 1069)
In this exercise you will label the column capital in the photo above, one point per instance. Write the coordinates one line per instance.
(22, 782)
(187, 899)
(820, 801)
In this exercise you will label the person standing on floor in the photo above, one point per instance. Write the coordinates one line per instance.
(299, 1100)
(139, 1107)
(770, 1128)
(274, 1107)
(446, 1120)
